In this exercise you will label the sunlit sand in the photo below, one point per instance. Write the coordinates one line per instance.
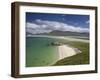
(66, 51)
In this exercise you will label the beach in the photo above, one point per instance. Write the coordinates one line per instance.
(66, 51)
(40, 51)
(61, 37)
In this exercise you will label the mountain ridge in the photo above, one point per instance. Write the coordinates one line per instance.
(63, 33)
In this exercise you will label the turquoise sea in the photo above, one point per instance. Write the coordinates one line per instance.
(39, 52)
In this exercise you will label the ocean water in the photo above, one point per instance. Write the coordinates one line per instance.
(39, 52)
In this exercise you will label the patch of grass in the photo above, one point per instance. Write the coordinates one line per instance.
(81, 58)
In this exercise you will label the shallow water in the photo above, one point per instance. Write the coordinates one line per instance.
(39, 52)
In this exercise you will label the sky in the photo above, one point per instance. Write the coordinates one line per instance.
(48, 22)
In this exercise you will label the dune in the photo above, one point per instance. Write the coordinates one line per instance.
(66, 51)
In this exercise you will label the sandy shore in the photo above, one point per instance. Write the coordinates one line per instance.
(61, 37)
(66, 51)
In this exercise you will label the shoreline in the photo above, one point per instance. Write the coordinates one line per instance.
(66, 51)
(62, 37)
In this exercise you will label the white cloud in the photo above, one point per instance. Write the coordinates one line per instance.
(44, 26)
(87, 22)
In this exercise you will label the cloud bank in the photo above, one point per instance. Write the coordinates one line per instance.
(45, 26)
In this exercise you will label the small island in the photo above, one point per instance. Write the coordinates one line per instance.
(56, 43)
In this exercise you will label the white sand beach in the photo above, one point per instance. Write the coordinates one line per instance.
(66, 51)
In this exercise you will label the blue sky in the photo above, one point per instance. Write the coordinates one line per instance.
(68, 20)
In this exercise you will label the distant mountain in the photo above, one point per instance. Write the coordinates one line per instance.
(62, 33)
(66, 33)
(69, 33)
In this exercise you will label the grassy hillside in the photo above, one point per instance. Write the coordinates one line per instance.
(81, 58)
